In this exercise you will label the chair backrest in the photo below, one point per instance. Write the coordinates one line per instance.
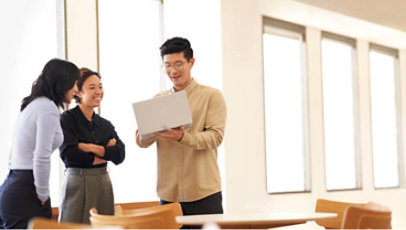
(44, 223)
(330, 206)
(354, 215)
(55, 213)
(55, 210)
(368, 216)
(174, 208)
(135, 205)
(154, 219)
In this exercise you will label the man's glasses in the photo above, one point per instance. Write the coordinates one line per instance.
(177, 66)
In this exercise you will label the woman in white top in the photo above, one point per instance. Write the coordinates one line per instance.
(25, 192)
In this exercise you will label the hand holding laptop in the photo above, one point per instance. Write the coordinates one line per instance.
(173, 134)
(164, 113)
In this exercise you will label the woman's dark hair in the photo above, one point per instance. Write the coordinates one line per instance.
(55, 80)
(85, 73)
(177, 45)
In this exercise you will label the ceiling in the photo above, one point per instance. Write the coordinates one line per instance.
(390, 13)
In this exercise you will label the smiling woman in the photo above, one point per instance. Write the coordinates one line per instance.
(90, 141)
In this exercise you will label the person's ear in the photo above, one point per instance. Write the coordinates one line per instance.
(76, 95)
(192, 61)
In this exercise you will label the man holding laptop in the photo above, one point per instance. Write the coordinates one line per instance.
(187, 157)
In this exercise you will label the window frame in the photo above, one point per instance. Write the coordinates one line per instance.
(356, 113)
(398, 116)
(295, 31)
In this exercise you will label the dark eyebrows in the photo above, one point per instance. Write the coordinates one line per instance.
(94, 85)
(168, 63)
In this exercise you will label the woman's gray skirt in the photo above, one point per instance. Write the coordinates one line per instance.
(83, 189)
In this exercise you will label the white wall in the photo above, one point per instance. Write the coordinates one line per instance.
(242, 72)
(81, 33)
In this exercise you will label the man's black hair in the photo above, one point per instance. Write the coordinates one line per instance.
(177, 45)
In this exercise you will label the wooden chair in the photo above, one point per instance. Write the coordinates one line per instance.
(368, 216)
(175, 208)
(330, 206)
(44, 223)
(136, 205)
(152, 219)
(55, 213)
(353, 215)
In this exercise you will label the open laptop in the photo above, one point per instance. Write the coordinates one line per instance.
(156, 114)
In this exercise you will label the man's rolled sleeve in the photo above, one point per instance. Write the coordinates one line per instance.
(212, 134)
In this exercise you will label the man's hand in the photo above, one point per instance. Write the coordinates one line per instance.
(173, 134)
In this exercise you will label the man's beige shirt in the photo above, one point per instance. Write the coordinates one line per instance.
(188, 170)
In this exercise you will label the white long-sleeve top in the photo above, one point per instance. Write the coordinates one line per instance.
(38, 133)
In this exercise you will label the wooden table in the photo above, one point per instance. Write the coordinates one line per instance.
(254, 220)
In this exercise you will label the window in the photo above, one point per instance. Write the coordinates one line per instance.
(26, 44)
(338, 74)
(383, 73)
(130, 33)
(284, 52)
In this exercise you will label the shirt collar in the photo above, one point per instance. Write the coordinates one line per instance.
(82, 119)
(188, 88)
